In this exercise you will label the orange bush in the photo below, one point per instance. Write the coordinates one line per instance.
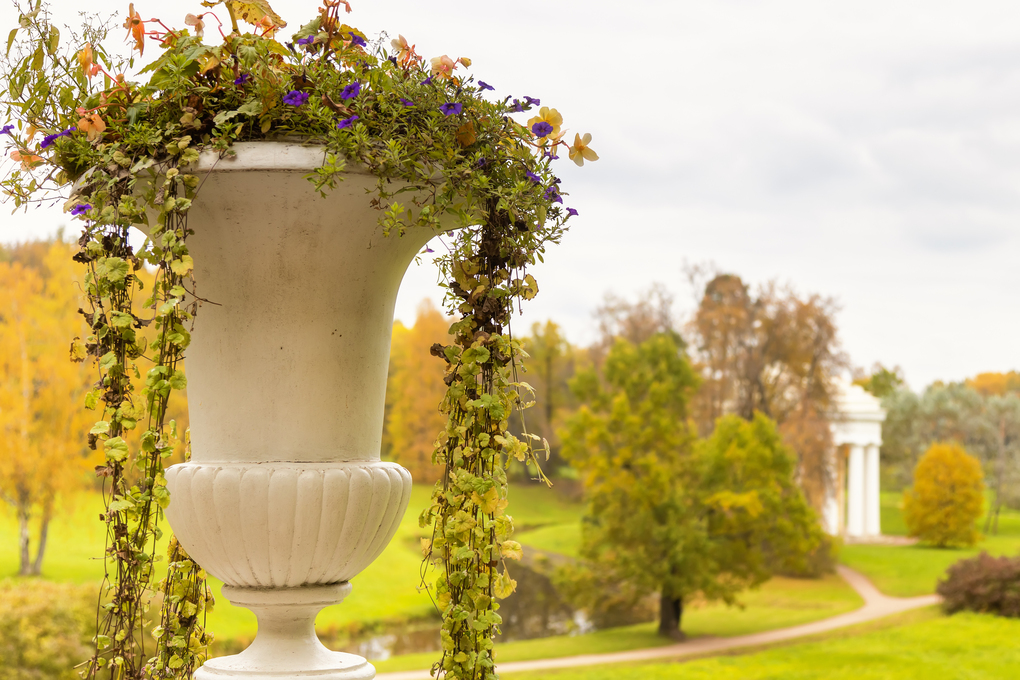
(947, 497)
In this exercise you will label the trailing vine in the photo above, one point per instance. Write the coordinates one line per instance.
(121, 154)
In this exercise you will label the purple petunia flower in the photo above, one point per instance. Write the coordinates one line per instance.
(451, 108)
(295, 98)
(571, 212)
(81, 208)
(482, 85)
(542, 129)
(517, 106)
(427, 81)
(552, 195)
(392, 60)
(351, 91)
(346, 122)
(308, 40)
(549, 154)
(242, 79)
(533, 177)
(482, 162)
(6, 130)
(357, 40)
(49, 139)
(406, 102)
(531, 101)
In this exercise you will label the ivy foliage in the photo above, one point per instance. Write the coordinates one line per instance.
(121, 153)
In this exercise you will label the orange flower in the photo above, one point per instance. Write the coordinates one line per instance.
(27, 160)
(579, 152)
(92, 125)
(87, 60)
(443, 67)
(136, 28)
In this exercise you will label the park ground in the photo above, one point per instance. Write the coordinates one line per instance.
(918, 644)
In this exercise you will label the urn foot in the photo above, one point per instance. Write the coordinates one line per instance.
(286, 646)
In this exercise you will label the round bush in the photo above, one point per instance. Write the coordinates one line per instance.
(947, 497)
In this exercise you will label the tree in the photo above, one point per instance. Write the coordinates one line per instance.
(633, 321)
(773, 352)
(413, 389)
(995, 384)
(665, 514)
(549, 367)
(42, 423)
(947, 497)
(882, 381)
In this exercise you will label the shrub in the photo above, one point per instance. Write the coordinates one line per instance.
(947, 497)
(984, 584)
(42, 629)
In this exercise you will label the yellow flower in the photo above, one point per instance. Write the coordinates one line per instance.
(88, 61)
(443, 67)
(553, 118)
(579, 152)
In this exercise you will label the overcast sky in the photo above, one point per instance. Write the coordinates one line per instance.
(868, 151)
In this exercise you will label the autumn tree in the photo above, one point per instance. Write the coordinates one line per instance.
(635, 322)
(986, 423)
(42, 423)
(548, 369)
(666, 515)
(413, 389)
(947, 497)
(771, 351)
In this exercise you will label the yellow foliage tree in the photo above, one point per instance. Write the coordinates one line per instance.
(995, 384)
(414, 388)
(947, 497)
(42, 423)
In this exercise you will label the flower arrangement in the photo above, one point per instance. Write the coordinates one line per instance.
(119, 153)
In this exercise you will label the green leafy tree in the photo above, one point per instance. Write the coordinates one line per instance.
(667, 514)
(947, 497)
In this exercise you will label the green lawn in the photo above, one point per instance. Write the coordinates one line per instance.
(779, 603)
(905, 571)
(386, 591)
(925, 647)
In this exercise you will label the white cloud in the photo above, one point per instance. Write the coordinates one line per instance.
(869, 151)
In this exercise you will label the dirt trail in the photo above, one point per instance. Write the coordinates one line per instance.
(876, 605)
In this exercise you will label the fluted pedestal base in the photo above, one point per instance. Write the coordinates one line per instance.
(286, 646)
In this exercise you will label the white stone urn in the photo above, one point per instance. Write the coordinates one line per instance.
(285, 498)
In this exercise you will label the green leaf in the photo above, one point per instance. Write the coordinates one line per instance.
(120, 319)
(120, 505)
(10, 39)
(178, 381)
(116, 449)
(102, 427)
(54, 41)
(107, 361)
(182, 266)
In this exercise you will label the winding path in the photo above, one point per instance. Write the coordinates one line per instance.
(876, 605)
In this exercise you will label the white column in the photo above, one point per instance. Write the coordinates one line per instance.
(872, 507)
(855, 492)
(830, 509)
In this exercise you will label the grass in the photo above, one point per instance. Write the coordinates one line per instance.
(905, 571)
(385, 591)
(916, 646)
(779, 603)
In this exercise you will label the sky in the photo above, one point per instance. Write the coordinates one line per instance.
(866, 151)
